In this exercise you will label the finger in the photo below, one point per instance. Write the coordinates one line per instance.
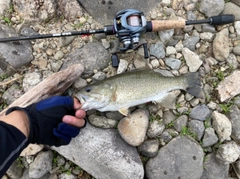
(72, 120)
(80, 114)
(76, 104)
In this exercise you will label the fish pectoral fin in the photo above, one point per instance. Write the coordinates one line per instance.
(124, 111)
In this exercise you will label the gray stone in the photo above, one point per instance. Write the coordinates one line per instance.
(232, 61)
(30, 80)
(209, 138)
(102, 121)
(168, 135)
(213, 168)
(180, 122)
(192, 59)
(14, 54)
(105, 11)
(33, 12)
(200, 112)
(197, 128)
(169, 101)
(234, 117)
(236, 50)
(4, 6)
(155, 129)
(12, 93)
(114, 115)
(173, 63)
(168, 117)
(229, 87)
(79, 83)
(228, 152)
(231, 8)
(100, 151)
(157, 50)
(221, 47)
(122, 66)
(236, 167)
(221, 125)
(149, 148)
(166, 35)
(99, 76)
(41, 165)
(15, 171)
(93, 56)
(67, 176)
(180, 158)
(59, 55)
(206, 7)
(191, 42)
(133, 128)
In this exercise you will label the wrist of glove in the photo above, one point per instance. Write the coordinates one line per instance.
(45, 120)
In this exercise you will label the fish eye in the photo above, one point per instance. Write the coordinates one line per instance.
(88, 89)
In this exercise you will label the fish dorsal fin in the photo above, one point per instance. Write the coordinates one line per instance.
(124, 111)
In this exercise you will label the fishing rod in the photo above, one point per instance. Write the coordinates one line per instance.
(128, 26)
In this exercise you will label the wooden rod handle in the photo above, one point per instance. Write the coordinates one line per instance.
(158, 25)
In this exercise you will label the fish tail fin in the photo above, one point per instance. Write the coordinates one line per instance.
(194, 85)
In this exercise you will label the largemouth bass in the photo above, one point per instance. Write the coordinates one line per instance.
(120, 92)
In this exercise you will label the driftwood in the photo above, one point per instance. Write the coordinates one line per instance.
(55, 84)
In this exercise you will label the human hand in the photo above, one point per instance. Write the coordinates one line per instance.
(53, 121)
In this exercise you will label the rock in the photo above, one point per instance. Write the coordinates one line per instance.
(169, 101)
(229, 87)
(197, 128)
(168, 117)
(102, 121)
(149, 148)
(134, 127)
(32, 149)
(41, 165)
(168, 135)
(157, 50)
(165, 35)
(236, 50)
(221, 125)
(237, 27)
(213, 168)
(180, 122)
(232, 61)
(207, 36)
(170, 50)
(12, 93)
(105, 43)
(192, 59)
(15, 54)
(231, 8)
(180, 158)
(234, 117)
(70, 9)
(103, 150)
(206, 7)
(122, 66)
(4, 6)
(67, 176)
(228, 152)
(15, 172)
(93, 56)
(99, 76)
(155, 129)
(79, 83)
(189, 5)
(105, 11)
(173, 63)
(200, 112)
(209, 138)
(30, 80)
(221, 48)
(236, 167)
(64, 41)
(58, 55)
(191, 42)
(35, 11)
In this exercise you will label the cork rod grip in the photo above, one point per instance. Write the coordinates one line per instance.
(158, 25)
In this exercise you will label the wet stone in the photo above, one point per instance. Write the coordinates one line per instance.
(149, 148)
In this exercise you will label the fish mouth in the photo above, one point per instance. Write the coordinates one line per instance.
(81, 98)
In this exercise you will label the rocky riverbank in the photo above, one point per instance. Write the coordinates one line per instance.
(183, 137)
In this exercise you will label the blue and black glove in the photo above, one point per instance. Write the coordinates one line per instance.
(45, 119)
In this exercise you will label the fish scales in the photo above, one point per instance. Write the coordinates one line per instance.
(122, 91)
